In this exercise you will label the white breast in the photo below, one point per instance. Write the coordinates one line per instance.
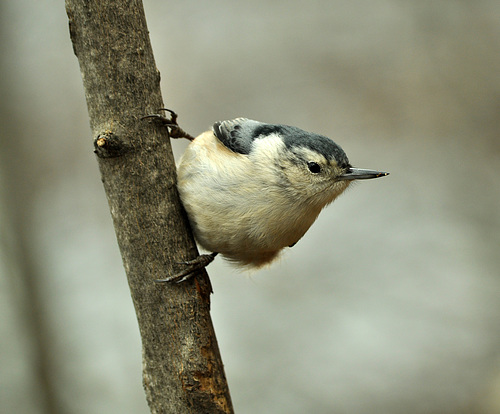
(234, 206)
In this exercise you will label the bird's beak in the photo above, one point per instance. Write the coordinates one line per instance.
(360, 174)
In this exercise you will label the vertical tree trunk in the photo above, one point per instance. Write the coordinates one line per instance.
(182, 368)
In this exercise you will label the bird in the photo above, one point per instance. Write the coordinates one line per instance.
(252, 189)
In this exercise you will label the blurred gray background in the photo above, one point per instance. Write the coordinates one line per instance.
(389, 304)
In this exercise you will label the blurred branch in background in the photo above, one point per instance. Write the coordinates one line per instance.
(23, 291)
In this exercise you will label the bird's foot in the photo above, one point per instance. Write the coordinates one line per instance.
(173, 128)
(191, 266)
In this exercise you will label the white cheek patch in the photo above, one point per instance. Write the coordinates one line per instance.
(310, 155)
(269, 146)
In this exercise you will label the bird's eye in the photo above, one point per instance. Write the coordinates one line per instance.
(313, 167)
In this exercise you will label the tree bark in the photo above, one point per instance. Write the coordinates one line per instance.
(182, 368)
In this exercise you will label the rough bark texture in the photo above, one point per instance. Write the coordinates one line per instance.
(182, 368)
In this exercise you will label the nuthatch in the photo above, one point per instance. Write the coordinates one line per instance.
(251, 189)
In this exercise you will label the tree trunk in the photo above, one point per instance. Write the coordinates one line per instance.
(182, 368)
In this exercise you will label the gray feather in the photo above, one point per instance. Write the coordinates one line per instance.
(236, 134)
(239, 134)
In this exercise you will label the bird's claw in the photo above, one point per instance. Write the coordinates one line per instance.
(175, 130)
(200, 262)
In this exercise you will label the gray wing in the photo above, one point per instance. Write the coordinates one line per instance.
(237, 134)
